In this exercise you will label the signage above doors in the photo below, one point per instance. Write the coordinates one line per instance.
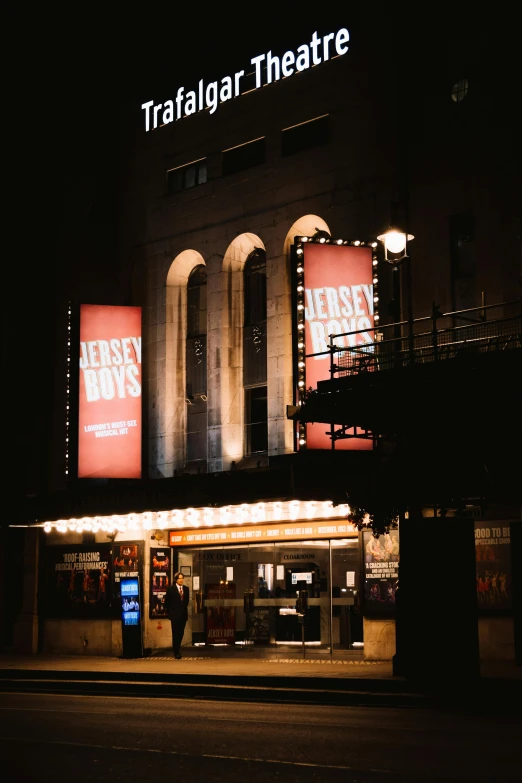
(286, 531)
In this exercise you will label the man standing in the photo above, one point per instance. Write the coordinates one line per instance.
(176, 603)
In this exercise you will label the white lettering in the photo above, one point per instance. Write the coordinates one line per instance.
(190, 103)
(307, 55)
(168, 114)
(256, 61)
(342, 37)
(211, 97)
(147, 106)
(318, 338)
(179, 98)
(319, 312)
(286, 63)
(225, 94)
(272, 61)
(303, 61)
(326, 41)
(156, 110)
(237, 77)
(333, 303)
(314, 44)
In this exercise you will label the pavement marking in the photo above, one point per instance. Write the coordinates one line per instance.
(325, 663)
(273, 660)
(190, 755)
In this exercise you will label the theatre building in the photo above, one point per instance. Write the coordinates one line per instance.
(279, 401)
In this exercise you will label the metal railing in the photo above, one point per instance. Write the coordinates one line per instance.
(480, 329)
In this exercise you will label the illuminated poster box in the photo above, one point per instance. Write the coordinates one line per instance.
(110, 417)
(335, 296)
(130, 601)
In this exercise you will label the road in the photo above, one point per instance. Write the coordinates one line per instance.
(46, 737)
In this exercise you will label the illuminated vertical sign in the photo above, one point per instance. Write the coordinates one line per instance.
(335, 296)
(109, 436)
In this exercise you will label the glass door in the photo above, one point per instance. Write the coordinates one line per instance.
(247, 596)
(347, 623)
(302, 572)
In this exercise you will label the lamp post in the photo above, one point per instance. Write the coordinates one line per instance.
(395, 243)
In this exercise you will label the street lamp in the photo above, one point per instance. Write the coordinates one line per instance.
(395, 243)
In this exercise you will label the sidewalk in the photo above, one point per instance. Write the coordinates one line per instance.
(246, 677)
(237, 664)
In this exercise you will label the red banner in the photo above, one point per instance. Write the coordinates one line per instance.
(338, 299)
(109, 427)
(220, 619)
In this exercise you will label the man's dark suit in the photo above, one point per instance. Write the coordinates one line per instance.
(177, 612)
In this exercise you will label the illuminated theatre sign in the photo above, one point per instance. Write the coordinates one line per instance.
(336, 293)
(109, 413)
(209, 96)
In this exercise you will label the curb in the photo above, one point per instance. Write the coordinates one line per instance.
(212, 692)
(278, 689)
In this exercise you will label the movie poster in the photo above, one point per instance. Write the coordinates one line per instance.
(493, 558)
(109, 424)
(259, 625)
(159, 580)
(78, 581)
(126, 559)
(220, 619)
(381, 572)
(338, 283)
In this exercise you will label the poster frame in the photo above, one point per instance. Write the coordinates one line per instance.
(299, 302)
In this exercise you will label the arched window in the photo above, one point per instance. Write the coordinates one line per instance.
(254, 352)
(196, 364)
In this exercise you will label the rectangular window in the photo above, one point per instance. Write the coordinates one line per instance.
(311, 133)
(196, 311)
(254, 353)
(244, 156)
(187, 176)
(196, 366)
(256, 419)
(463, 261)
(197, 431)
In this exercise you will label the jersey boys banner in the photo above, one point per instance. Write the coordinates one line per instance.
(338, 283)
(109, 437)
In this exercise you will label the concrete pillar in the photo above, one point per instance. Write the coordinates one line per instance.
(25, 636)
(436, 602)
(516, 576)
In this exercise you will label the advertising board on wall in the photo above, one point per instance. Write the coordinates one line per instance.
(220, 626)
(493, 559)
(127, 559)
(78, 581)
(338, 299)
(381, 572)
(109, 411)
(159, 580)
